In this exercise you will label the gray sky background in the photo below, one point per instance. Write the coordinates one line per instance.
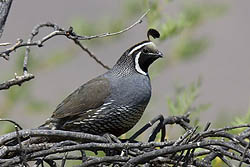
(224, 66)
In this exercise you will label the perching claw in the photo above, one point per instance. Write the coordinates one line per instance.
(154, 33)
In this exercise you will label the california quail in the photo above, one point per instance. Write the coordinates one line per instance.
(114, 101)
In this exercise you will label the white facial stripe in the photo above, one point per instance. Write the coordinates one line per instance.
(140, 46)
(137, 65)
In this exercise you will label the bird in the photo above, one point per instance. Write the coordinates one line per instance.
(113, 102)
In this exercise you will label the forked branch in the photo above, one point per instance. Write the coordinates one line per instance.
(57, 31)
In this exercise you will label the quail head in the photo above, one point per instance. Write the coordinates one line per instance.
(114, 101)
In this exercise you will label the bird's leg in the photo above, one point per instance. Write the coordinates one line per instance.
(148, 125)
(155, 131)
(84, 156)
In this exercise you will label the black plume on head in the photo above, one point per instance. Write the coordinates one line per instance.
(154, 33)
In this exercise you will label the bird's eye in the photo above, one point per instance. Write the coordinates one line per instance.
(145, 51)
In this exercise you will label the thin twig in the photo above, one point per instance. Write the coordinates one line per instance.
(60, 31)
(39, 43)
(90, 54)
(5, 44)
(114, 33)
(64, 159)
(13, 122)
(18, 80)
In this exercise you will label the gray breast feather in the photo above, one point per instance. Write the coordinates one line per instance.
(132, 90)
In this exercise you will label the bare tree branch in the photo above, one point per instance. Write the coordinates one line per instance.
(39, 43)
(114, 33)
(193, 148)
(17, 80)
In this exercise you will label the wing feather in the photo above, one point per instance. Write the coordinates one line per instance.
(89, 96)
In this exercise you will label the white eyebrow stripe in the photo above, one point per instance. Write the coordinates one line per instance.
(139, 46)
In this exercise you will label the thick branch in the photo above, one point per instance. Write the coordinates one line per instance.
(53, 133)
(4, 11)
(191, 149)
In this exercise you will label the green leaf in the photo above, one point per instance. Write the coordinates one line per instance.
(184, 100)
(171, 106)
(188, 47)
(242, 119)
(191, 16)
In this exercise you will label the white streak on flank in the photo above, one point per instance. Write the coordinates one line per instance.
(98, 111)
(88, 111)
(137, 66)
(103, 108)
(140, 46)
(105, 104)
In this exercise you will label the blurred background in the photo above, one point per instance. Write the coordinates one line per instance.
(205, 69)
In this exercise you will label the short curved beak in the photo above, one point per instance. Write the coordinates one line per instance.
(156, 55)
(160, 54)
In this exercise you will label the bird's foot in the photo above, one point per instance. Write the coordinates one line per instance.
(111, 138)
